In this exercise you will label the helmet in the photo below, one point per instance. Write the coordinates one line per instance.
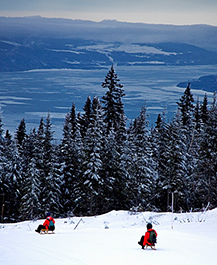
(48, 214)
(149, 226)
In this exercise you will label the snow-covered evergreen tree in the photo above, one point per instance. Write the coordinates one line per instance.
(54, 182)
(30, 201)
(21, 132)
(186, 106)
(115, 192)
(113, 106)
(161, 159)
(176, 172)
(92, 166)
(204, 113)
(10, 180)
(197, 116)
(84, 120)
(72, 156)
(142, 168)
(47, 186)
(206, 170)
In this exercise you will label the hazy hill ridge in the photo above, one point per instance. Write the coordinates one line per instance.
(42, 43)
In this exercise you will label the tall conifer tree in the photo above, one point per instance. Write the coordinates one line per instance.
(113, 106)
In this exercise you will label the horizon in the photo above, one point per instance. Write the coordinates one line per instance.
(105, 19)
(170, 12)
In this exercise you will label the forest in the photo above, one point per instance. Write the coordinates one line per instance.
(102, 164)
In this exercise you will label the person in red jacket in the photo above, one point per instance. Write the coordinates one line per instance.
(49, 224)
(146, 240)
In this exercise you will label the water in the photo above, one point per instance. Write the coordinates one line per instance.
(32, 94)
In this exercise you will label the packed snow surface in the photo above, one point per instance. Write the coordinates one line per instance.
(184, 238)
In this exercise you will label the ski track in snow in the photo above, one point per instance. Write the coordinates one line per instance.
(192, 240)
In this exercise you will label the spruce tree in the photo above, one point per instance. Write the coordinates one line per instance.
(71, 159)
(206, 170)
(143, 164)
(10, 180)
(197, 116)
(68, 167)
(161, 159)
(73, 120)
(92, 180)
(30, 202)
(21, 132)
(186, 106)
(115, 191)
(113, 106)
(176, 173)
(84, 121)
(204, 113)
(39, 147)
(1, 124)
(47, 166)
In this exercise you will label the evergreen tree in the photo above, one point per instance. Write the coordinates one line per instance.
(186, 106)
(92, 181)
(8, 136)
(206, 170)
(113, 106)
(54, 183)
(39, 147)
(84, 121)
(47, 166)
(71, 159)
(143, 168)
(204, 110)
(21, 132)
(1, 124)
(161, 158)
(68, 168)
(176, 173)
(159, 121)
(30, 204)
(186, 109)
(73, 120)
(115, 191)
(197, 116)
(78, 160)
(10, 181)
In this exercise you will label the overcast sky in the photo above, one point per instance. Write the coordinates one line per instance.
(178, 12)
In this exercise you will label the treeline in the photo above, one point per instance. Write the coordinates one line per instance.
(100, 164)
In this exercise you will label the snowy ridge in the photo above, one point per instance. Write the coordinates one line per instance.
(112, 239)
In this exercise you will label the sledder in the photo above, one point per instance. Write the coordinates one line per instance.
(150, 238)
(48, 225)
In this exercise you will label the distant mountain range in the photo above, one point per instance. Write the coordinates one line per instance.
(41, 43)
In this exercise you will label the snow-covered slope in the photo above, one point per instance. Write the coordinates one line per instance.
(112, 239)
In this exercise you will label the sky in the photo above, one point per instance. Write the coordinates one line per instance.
(177, 12)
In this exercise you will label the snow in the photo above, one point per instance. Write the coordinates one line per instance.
(112, 239)
(128, 48)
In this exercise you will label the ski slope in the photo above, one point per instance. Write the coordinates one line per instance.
(111, 239)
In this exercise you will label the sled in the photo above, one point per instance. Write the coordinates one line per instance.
(146, 246)
(46, 231)
(151, 246)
